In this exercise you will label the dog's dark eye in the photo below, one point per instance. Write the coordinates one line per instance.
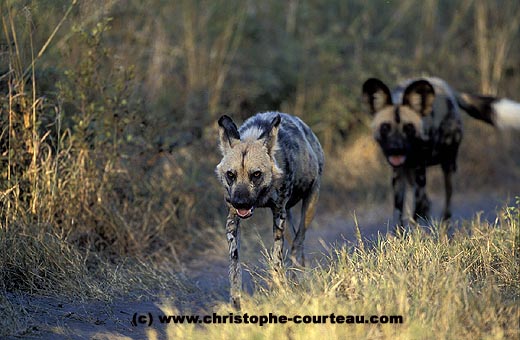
(384, 129)
(230, 175)
(255, 176)
(409, 129)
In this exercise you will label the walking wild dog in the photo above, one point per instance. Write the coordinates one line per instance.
(274, 160)
(419, 125)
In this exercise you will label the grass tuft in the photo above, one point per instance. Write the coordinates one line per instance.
(467, 286)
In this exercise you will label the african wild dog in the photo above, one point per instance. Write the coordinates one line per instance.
(419, 125)
(274, 160)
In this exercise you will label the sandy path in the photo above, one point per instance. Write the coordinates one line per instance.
(208, 273)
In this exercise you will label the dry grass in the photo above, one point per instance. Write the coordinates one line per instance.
(92, 207)
(82, 215)
(466, 287)
(38, 262)
(13, 318)
(355, 172)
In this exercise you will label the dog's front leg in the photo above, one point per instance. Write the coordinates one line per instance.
(448, 170)
(235, 270)
(399, 186)
(422, 203)
(279, 218)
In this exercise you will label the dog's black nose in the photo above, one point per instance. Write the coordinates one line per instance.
(396, 151)
(241, 198)
(241, 203)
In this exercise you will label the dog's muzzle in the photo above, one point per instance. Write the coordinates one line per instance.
(242, 202)
(245, 212)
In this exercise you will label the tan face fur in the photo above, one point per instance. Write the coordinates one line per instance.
(245, 159)
(416, 106)
(387, 115)
(248, 168)
(397, 127)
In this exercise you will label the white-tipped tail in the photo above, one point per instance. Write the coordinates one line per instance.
(507, 114)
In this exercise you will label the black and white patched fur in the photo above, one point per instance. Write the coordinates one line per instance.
(275, 161)
(419, 124)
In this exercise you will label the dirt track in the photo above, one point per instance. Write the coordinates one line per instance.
(207, 274)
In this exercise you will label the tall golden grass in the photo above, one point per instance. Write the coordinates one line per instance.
(465, 287)
(73, 155)
(91, 207)
(80, 217)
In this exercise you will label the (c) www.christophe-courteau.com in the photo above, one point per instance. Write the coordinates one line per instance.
(147, 319)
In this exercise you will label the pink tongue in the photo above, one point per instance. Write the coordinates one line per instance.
(243, 212)
(396, 160)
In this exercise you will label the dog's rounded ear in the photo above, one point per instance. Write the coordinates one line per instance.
(270, 135)
(376, 95)
(419, 96)
(229, 126)
(276, 121)
(228, 133)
